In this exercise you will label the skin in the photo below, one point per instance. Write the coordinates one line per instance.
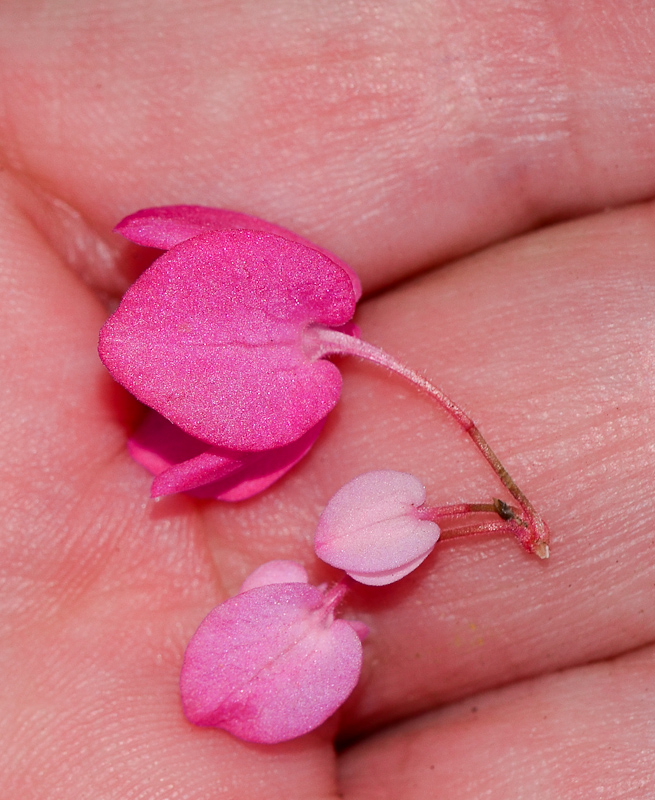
(405, 136)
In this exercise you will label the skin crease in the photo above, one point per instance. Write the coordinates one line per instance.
(401, 136)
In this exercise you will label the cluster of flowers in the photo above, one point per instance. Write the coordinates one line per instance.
(225, 339)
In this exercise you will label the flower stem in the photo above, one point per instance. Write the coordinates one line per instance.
(439, 513)
(529, 528)
(334, 596)
(471, 530)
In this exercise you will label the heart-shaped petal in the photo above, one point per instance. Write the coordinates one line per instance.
(371, 527)
(211, 337)
(166, 226)
(270, 663)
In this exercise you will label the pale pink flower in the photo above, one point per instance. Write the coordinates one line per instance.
(272, 663)
(373, 528)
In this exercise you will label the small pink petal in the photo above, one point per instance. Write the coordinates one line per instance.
(385, 577)
(195, 473)
(275, 572)
(210, 336)
(270, 664)
(261, 469)
(350, 329)
(361, 628)
(371, 528)
(157, 444)
(182, 463)
(166, 226)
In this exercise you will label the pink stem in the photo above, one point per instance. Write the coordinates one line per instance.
(321, 341)
(438, 513)
(471, 530)
(335, 595)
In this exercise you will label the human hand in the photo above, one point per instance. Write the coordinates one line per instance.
(401, 137)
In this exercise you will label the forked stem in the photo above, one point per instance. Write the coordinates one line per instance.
(529, 528)
(472, 530)
(440, 513)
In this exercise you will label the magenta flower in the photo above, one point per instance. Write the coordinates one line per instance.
(215, 346)
(212, 336)
(272, 663)
(374, 529)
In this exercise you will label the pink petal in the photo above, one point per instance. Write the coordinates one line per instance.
(275, 572)
(185, 464)
(195, 473)
(210, 336)
(166, 226)
(270, 664)
(371, 529)
(385, 577)
(361, 628)
(157, 444)
(260, 470)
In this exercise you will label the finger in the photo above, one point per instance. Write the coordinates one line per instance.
(547, 343)
(99, 593)
(397, 135)
(584, 733)
(68, 511)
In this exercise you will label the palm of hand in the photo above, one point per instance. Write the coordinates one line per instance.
(546, 340)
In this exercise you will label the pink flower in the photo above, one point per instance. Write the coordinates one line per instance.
(373, 528)
(272, 663)
(212, 337)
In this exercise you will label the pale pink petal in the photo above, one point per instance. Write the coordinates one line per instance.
(361, 628)
(384, 577)
(275, 572)
(182, 463)
(210, 336)
(371, 528)
(270, 664)
(166, 226)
